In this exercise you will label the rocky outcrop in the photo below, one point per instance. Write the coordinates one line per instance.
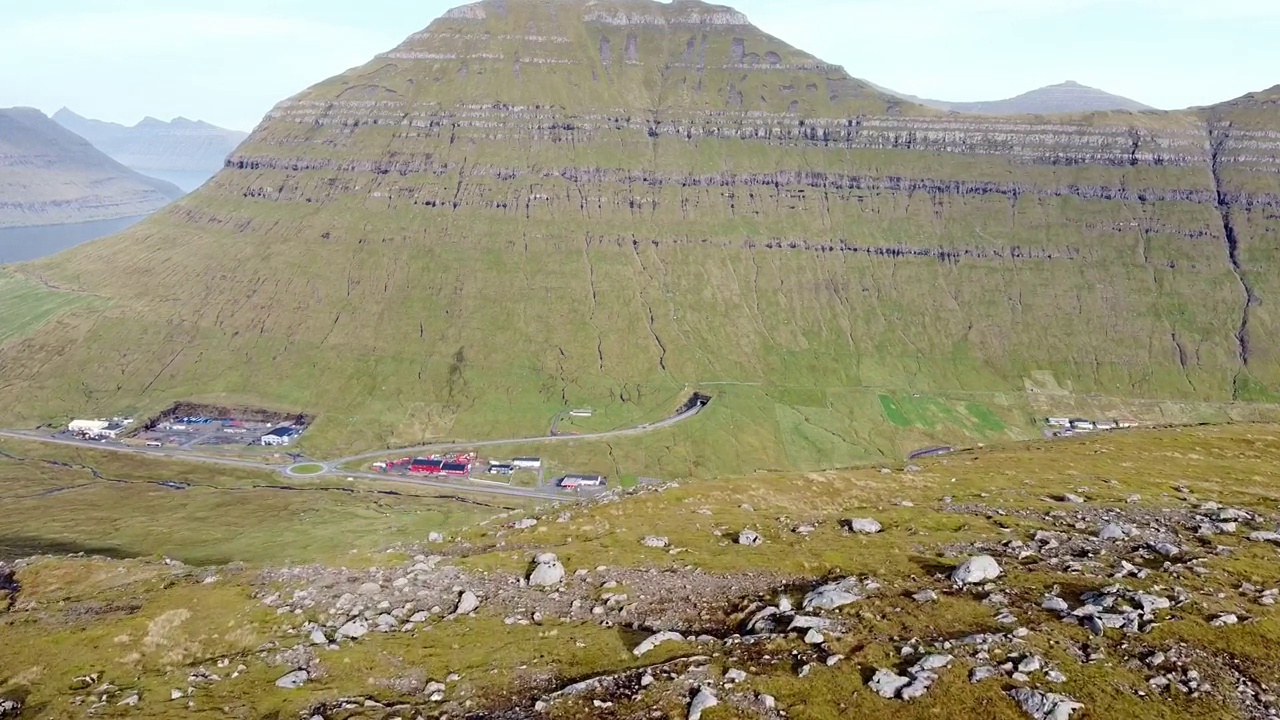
(49, 176)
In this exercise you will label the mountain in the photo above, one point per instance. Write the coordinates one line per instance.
(1067, 97)
(184, 152)
(533, 206)
(50, 176)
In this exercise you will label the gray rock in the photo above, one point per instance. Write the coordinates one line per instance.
(370, 589)
(808, 622)
(655, 640)
(1168, 550)
(420, 617)
(655, 542)
(735, 676)
(982, 672)
(976, 570)
(1232, 515)
(1056, 604)
(524, 523)
(1030, 664)
(1112, 531)
(1073, 499)
(435, 537)
(386, 622)
(294, 680)
(467, 603)
(925, 596)
(701, 702)
(547, 571)
(1265, 536)
(318, 637)
(886, 683)
(813, 637)
(865, 526)
(833, 660)
(1055, 677)
(354, 630)
(750, 538)
(834, 595)
(176, 694)
(9, 707)
(1044, 706)
(932, 662)
(1225, 620)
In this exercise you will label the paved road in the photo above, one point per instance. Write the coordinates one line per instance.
(332, 467)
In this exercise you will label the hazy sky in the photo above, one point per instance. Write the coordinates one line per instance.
(229, 61)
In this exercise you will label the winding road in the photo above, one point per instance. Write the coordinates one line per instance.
(333, 467)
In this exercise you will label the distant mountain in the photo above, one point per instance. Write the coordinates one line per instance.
(51, 176)
(184, 152)
(1067, 97)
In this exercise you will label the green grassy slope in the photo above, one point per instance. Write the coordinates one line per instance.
(541, 208)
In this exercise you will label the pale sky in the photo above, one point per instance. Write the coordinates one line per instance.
(229, 61)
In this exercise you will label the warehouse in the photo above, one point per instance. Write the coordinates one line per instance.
(575, 482)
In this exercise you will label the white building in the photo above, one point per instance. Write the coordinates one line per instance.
(527, 463)
(87, 427)
(279, 437)
(573, 482)
(1059, 422)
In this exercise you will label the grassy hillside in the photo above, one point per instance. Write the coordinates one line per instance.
(530, 206)
(147, 629)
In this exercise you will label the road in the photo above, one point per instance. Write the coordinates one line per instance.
(332, 468)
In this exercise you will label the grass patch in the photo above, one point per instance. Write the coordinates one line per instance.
(307, 469)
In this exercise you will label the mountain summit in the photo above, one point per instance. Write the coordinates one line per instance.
(184, 152)
(1067, 97)
(531, 206)
(50, 176)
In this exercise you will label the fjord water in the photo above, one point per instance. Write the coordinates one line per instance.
(32, 243)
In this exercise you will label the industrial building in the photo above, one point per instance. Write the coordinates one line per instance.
(527, 463)
(98, 429)
(575, 482)
(279, 437)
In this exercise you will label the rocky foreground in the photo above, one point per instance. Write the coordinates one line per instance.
(1093, 588)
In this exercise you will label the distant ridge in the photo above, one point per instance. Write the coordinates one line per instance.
(51, 176)
(184, 152)
(1067, 97)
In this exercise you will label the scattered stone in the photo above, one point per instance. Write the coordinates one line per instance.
(833, 660)
(354, 630)
(525, 523)
(735, 676)
(435, 537)
(293, 680)
(646, 680)
(804, 529)
(886, 683)
(654, 641)
(370, 589)
(813, 637)
(981, 673)
(1112, 531)
(925, 596)
(176, 694)
(701, 702)
(1265, 536)
(865, 526)
(1168, 550)
(1225, 620)
(467, 603)
(130, 701)
(1030, 664)
(750, 538)
(976, 570)
(655, 542)
(318, 637)
(1072, 499)
(1056, 604)
(835, 595)
(1055, 677)
(768, 701)
(547, 571)
(1044, 706)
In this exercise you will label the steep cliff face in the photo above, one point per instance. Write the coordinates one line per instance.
(183, 152)
(49, 176)
(530, 205)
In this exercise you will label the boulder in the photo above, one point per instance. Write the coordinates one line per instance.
(318, 637)
(1112, 531)
(813, 637)
(467, 603)
(1044, 706)
(982, 672)
(886, 683)
(703, 700)
(524, 524)
(354, 630)
(547, 571)
(1265, 536)
(1072, 499)
(750, 538)
(654, 641)
(976, 570)
(435, 537)
(865, 526)
(834, 595)
(655, 542)
(294, 680)
(1053, 603)
(735, 676)
(925, 596)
